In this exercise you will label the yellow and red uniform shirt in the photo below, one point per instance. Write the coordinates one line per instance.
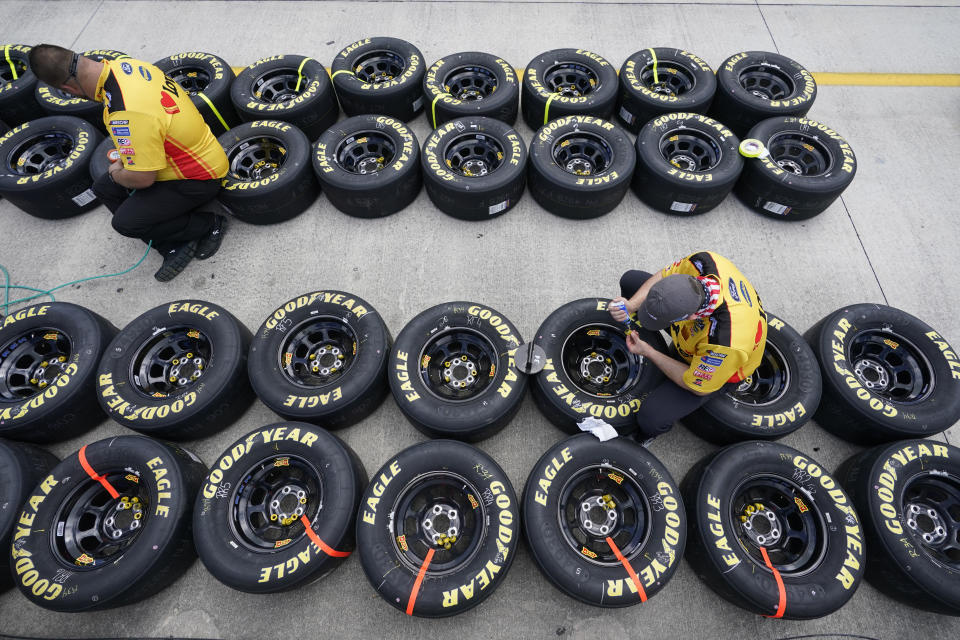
(154, 124)
(727, 345)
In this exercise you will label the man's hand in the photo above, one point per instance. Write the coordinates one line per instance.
(131, 179)
(617, 311)
(638, 346)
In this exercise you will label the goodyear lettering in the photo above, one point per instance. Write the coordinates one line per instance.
(720, 537)
(430, 152)
(309, 402)
(775, 323)
(357, 309)
(407, 151)
(322, 160)
(791, 415)
(163, 486)
(546, 132)
(652, 572)
(354, 46)
(505, 386)
(196, 55)
(515, 148)
(228, 185)
(886, 481)
(588, 407)
(199, 309)
(732, 62)
(266, 436)
(592, 56)
(690, 176)
(23, 565)
(19, 411)
(370, 510)
(610, 177)
(404, 377)
(291, 565)
(549, 473)
(840, 365)
(117, 404)
(496, 322)
(949, 354)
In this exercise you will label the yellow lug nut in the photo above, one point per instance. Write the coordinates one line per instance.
(33, 381)
(62, 359)
(453, 538)
(138, 515)
(189, 355)
(303, 501)
(200, 366)
(312, 355)
(42, 384)
(273, 516)
(173, 378)
(447, 363)
(446, 546)
(136, 499)
(463, 357)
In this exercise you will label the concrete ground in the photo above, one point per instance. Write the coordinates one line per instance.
(892, 238)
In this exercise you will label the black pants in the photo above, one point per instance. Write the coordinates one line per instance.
(163, 212)
(668, 402)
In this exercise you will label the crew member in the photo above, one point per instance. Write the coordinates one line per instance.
(169, 163)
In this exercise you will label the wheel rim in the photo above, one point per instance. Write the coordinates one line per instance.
(365, 152)
(671, 79)
(6, 73)
(473, 155)
(690, 150)
(171, 361)
(377, 67)
(40, 153)
(571, 79)
(442, 511)
(767, 383)
(458, 364)
(800, 154)
(318, 352)
(582, 153)
(271, 499)
(470, 83)
(931, 512)
(193, 80)
(890, 366)
(775, 514)
(600, 502)
(31, 362)
(91, 528)
(596, 359)
(766, 82)
(279, 85)
(256, 158)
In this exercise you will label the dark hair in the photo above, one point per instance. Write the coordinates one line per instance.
(51, 63)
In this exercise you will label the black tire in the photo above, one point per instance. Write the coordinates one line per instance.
(56, 102)
(3, 128)
(907, 495)
(787, 484)
(22, 467)
(393, 549)
(207, 78)
(474, 168)
(270, 179)
(381, 76)
(921, 396)
(576, 480)
(687, 163)
(471, 84)
(368, 165)
(56, 571)
(295, 89)
(756, 85)
(58, 186)
(683, 82)
(471, 344)
(307, 330)
(605, 158)
(100, 162)
(565, 82)
(237, 537)
(193, 341)
(64, 406)
(17, 85)
(565, 398)
(808, 166)
(775, 400)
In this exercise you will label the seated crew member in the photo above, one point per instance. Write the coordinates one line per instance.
(717, 323)
(169, 161)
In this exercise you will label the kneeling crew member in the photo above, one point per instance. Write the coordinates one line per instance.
(717, 323)
(169, 161)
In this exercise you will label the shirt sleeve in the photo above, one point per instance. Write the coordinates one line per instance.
(138, 139)
(676, 267)
(712, 366)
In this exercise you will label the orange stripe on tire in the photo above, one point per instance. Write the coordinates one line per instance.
(93, 474)
(626, 565)
(323, 546)
(418, 582)
(782, 604)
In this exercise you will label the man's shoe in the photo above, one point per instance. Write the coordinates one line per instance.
(175, 261)
(208, 244)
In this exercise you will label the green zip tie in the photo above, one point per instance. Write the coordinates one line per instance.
(203, 97)
(656, 79)
(334, 75)
(300, 74)
(546, 108)
(433, 108)
(6, 54)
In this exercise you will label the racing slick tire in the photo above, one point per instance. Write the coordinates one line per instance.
(3, 128)
(278, 510)
(368, 165)
(437, 530)
(778, 398)
(887, 375)
(48, 363)
(17, 85)
(474, 168)
(772, 532)
(380, 75)
(56, 102)
(207, 78)
(604, 521)
(100, 162)
(177, 371)
(109, 526)
(471, 84)
(453, 373)
(321, 358)
(589, 371)
(565, 82)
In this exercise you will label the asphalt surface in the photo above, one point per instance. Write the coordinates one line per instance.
(892, 238)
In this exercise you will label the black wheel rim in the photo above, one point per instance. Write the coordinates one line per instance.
(40, 153)
(470, 83)
(32, 362)
(271, 501)
(890, 366)
(379, 66)
(601, 502)
(92, 529)
(458, 364)
(773, 513)
(256, 158)
(767, 383)
(473, 155)
(800, 154)
(596, 359)
(671, 79)
(7, 74)
(170, 362)
(931, 512)
(193, 80)
(766, 82)
(279, 85)
(365, 152)
(582, 153)
(443, 511)
(690, 150)
(318, 352)
(571, 79)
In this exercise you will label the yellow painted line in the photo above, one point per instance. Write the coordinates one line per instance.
(889, 79)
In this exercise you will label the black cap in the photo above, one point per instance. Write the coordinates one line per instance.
(671, 300)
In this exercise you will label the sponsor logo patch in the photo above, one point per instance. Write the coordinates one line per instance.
(706, 368)
(732, 286)
(746, 296)
(113, 122)
(701, 374)
(717, 355)
(120, 131)
(126, 151)
(126, 68)
(168, 103)
(146, 74)
(714, 361)
(122, 141)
